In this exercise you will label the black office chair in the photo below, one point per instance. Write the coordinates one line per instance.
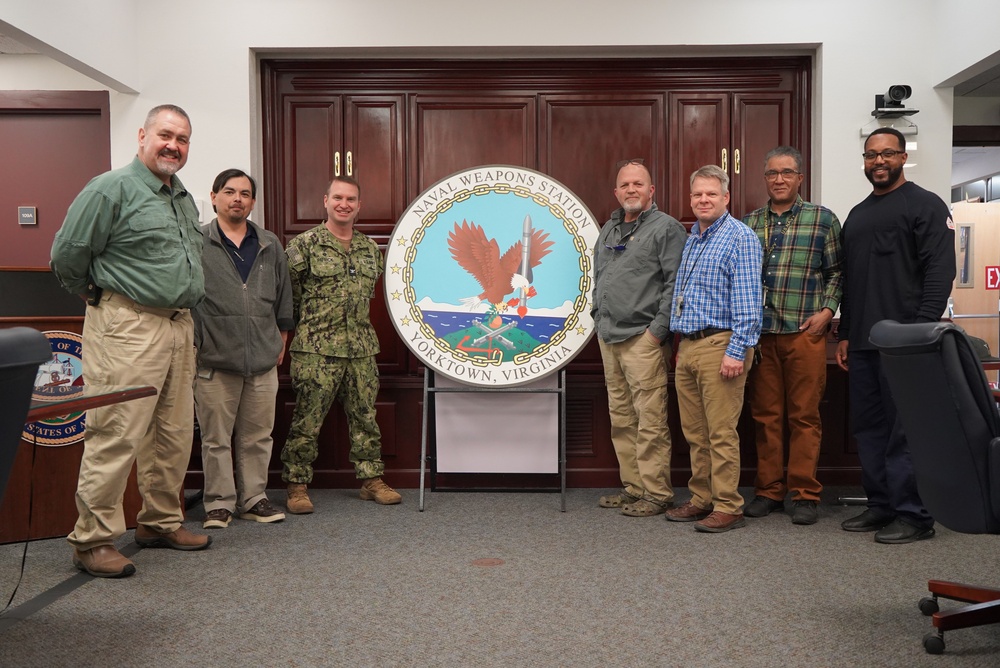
(22, 350)
(952, 424)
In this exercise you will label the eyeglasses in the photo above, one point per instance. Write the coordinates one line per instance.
(624, 242)
(887, 154)
(772, 175)
(630, 161)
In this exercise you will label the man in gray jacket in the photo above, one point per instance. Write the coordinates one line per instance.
(636, 260)
(241, 331)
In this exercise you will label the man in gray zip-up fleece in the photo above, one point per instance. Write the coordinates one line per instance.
(636, 260)
(241, 331)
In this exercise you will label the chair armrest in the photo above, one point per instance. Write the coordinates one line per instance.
(993, 465)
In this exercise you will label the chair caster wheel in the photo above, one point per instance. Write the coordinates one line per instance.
(928, 605)
(933, 643)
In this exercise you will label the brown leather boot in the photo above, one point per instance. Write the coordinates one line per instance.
(375, 490)
(298, 502)
(179, 539)
(103, 561)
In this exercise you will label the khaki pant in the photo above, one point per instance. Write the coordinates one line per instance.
(787, 385)
(126, 346)
(236, 415)
(635, 372)
(710, 408)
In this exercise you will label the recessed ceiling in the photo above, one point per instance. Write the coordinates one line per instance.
(13, 47)
(985, 84)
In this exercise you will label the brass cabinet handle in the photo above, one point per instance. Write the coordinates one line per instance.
(336, 163)
(725, 159)
(736, 161)
(350, 164)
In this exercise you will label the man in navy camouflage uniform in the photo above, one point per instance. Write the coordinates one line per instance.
(334, 269)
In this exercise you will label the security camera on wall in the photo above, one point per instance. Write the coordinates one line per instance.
(890, 105)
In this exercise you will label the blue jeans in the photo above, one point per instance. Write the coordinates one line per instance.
(886, 466)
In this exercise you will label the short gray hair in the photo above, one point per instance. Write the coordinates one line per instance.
(785, 151)
(712, 172)
(157, 110)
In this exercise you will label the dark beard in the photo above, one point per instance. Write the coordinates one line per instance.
(893, 176)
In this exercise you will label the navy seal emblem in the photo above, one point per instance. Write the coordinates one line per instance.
(59, 378)
(489, 276)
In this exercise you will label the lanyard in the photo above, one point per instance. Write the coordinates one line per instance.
(770, 225)
(687, 277)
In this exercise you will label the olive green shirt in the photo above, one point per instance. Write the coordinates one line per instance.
(331, 292)
(131, 233)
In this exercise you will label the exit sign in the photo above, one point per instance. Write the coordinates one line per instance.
(993, 278)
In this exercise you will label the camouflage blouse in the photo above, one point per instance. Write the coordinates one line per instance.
(331, 292)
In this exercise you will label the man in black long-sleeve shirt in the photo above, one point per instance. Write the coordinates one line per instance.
(899, 251)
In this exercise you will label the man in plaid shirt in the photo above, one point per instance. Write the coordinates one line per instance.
(801, 278)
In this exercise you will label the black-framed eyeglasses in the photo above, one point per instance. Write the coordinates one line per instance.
(887, 154)
(786, 174)
(630, 161)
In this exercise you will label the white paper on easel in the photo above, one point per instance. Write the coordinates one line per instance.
(493, 432)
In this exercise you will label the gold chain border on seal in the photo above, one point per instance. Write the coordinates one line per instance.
(502, 189)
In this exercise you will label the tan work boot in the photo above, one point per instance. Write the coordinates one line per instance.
(103, 561)
(298, 502)
(375, 490)
(178, 539)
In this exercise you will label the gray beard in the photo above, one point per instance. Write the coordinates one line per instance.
(165, 167)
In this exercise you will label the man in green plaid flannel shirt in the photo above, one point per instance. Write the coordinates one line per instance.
(801, 278)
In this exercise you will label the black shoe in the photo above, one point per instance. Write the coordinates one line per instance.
(804, 512)
(870, 520)
(761, 506)
(899, 532)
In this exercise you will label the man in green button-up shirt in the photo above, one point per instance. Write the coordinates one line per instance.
(131, 246)
(334, 269)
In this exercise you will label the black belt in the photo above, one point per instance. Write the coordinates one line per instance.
(702, 333)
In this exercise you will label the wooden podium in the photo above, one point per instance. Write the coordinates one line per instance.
(42, 485)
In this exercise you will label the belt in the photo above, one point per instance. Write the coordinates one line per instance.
(702, 333)
(129, 303)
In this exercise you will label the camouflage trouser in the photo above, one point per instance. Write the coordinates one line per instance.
(318, 380)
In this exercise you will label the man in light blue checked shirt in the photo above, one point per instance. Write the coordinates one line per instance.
(717, 312)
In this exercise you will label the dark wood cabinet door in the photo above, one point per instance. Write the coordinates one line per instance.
(581, 137)
(452, 133)
(699, 128)
(372, 152)
(360, 136)
(315, 133)
(732, 130)
(761, 121)
(331, 133)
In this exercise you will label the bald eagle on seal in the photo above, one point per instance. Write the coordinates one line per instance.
(498, 275)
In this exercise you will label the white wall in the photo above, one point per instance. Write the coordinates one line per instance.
(201, 56)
